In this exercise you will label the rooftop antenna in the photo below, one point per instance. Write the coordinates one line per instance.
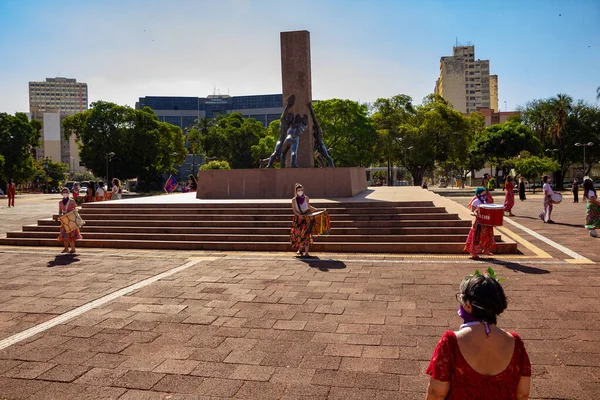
(214, 89)
(456, 41)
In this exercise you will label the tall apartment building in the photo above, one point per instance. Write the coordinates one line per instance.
(63, 94)
(466, 82)
(50, 102)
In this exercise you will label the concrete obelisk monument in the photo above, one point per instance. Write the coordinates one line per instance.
(278, 183)
(297, 81)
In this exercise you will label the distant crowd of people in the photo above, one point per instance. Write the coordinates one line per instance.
(97, 192)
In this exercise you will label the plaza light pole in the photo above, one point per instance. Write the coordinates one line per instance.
(584, 145)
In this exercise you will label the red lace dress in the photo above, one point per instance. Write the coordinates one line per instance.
(448, 364)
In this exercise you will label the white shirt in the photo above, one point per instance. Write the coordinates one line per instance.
(548, 189)
(100, 192)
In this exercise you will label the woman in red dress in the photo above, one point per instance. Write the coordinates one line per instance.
(481, 237)
(509, 198)
(479, 361)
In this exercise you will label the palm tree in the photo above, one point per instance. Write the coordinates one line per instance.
(562, 105)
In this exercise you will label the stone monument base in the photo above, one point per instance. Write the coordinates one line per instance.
(276, 183)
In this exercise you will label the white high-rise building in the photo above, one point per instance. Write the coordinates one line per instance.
(50, 102)
(466, 82)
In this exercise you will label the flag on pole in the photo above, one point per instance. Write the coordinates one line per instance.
(171, 184)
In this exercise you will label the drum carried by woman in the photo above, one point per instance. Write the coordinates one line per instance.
(320, 223)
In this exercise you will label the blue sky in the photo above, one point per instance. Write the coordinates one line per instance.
(361, 50)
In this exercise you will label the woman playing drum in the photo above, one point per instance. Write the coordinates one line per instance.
(301, 236)
(65, 206)
(481, 237)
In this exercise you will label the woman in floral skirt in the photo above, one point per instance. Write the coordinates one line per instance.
(65, 206)
(300, 236)
(481, 237)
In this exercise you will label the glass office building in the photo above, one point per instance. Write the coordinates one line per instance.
(184, 111)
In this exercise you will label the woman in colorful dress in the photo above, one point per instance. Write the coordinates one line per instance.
(65, 206)
(300, 236)
(480, 361)
(592, 219)
(485, 182)
(509, 198)
(481, 237)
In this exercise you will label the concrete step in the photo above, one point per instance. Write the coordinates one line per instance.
(255, 205)
(261, 211)
(245, 237)
(252, 230)
(455, 222)
(269, 217)
(364, 247)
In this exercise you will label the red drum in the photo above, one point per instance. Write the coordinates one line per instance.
(491, 214)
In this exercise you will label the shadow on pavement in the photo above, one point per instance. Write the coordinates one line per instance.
(322, 265)
(555, 223)
(519, 267)
(63, 260)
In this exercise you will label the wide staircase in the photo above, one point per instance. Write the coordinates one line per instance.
(369, 226)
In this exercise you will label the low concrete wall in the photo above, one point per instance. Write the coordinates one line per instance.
(272, 183)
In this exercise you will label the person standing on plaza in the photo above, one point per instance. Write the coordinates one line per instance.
(300, 235)
(485, 182)
(546, 215)
(509, 198)
(11, 191)
(100, 191)
(479, 361)
(522, 189)
(65, 206)
(117, 192)
(592, 219)
(481, 237)
(575, 190)
(192, 183)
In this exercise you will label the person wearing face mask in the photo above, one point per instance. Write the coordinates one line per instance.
(481, 237)
(300, 235)
(480, 361)
(65, 206)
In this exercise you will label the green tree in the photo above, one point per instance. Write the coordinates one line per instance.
(143, 146)
(231, 139)
(391, 120)
(56, 173)
(18, 139)
(533, 167)
(212, 165)
(501, 143)
(560, 123)
(347, 131)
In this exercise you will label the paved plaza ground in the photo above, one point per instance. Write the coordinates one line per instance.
(209, 325)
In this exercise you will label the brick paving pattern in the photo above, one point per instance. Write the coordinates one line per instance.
(244, 328)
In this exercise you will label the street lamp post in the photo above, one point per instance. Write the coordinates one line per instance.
(584, 145)
(109, 157)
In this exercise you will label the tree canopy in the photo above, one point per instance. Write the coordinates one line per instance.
(142, 145)
(347, 131)
(559, 123)
(231, 137)
(18, 138)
